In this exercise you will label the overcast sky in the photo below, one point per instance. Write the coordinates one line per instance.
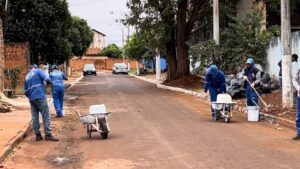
(102, 15)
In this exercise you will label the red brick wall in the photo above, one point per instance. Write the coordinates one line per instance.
(16, 55)
(100, 63)
(1, 57)
(78, 64)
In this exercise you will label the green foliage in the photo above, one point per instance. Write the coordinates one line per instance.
(52, 33)
(274, 5)
(112, 50)
(135, 48)
(13, 77)
(81, 36)
(239, 40)
(140, 46)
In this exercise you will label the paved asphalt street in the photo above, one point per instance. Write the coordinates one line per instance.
(154, 128)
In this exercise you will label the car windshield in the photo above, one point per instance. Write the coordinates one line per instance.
(120, 65)
(89, 66)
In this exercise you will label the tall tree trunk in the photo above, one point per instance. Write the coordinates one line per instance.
(171, 60)
(182, 37)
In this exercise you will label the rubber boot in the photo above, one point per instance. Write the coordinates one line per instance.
(51, 138)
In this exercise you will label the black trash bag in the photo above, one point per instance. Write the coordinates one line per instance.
(228, 80)
(274, 84)
(236, 94)
(234, 82)
(265, 78)
(265, 87)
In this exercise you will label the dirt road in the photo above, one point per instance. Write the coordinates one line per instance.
(157, 129)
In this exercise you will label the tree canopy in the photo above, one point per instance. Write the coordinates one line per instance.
(47, 26)
(173, 22)
(81, 36)
(240, 39)
(112, 50)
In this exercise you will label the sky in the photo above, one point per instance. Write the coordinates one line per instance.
(102, 15)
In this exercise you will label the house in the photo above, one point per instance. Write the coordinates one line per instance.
(98, 43)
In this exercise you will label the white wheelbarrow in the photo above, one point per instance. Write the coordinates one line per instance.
(223, 107)
(96, 120)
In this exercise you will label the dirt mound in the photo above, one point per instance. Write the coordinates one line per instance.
(5, 108)
(191, 82)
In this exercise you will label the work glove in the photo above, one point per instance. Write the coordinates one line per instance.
(245, 78)
(252, 85)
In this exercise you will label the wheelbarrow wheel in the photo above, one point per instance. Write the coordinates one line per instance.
(104, 135)
(103, 127)
(89, 131)
(215, 116)
(227, 120)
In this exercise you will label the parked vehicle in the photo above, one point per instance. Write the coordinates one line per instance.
(120, 68)
(89, 69)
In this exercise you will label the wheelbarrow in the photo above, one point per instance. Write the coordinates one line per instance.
(223, 107)
(96, 120)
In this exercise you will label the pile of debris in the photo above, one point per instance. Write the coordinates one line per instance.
(236, 83)
(5, 108)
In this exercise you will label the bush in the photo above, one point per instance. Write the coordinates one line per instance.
(239, 40)
(13, 77)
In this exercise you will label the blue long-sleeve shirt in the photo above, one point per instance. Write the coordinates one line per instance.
(34, 84)
(217, 82)
(57, 78)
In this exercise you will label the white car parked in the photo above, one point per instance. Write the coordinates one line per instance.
(120, 68)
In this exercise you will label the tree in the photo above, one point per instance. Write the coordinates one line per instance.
(239, 40)
(81, 36)
(44, 24)
(112, 50)
(135, 48)
(176, 19)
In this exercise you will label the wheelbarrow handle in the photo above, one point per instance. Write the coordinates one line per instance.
(257, 94)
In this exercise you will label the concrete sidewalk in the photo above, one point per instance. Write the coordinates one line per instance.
(15, 125)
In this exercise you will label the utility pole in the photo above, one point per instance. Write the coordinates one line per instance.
(287, 89)
(123, 44)
(216, 21)
(157, 66)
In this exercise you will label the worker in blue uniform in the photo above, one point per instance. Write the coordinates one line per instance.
(35, 91)
(252, 77)
(58, 88)
(214, 84)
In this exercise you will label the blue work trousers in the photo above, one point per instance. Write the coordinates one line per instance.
(58, 100)
(298, 116)
(40, 106)
(252, 98)
(213, 92)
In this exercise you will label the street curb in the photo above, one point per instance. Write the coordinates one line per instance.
(267, 117)
(12, 143)
(68, 87)
(142, 78)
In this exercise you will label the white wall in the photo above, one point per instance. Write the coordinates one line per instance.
(274, 53)
(98, 41)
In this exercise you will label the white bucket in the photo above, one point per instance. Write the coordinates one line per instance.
(253, 113)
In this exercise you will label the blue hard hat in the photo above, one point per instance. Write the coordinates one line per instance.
(33, 66)
(213, 69)
(54, 67)
(250, 61)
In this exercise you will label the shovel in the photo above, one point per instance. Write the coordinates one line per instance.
(264, 103)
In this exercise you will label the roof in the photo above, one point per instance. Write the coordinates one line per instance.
(93, 51)
(98, 32)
